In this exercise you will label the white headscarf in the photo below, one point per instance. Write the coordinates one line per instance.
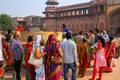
(1, 52)
(37, 42)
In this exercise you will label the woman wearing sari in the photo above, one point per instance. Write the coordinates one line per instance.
(53, 71)
(84, 58)
(8, 55)
(30, 69)
(110, 55)
(40, 71)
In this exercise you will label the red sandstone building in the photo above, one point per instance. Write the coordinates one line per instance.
(101, 14)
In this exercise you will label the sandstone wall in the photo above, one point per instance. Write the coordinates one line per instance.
(45, 35)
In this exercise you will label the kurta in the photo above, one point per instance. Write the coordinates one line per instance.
(100, 58)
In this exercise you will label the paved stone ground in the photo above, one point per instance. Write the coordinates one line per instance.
(106, 76)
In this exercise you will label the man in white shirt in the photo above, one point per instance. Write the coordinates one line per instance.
(105, 36)
(70, 59)
(64, 37)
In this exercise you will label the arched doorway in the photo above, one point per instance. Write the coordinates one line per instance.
(114, 20)
(81, 26)
(91, 26)
(76, 28)
(86, 27)
(73, 28)
(102, 26)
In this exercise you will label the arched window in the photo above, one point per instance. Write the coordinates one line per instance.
(61, 14)
(82, 12)
(52, 15)
(86, 11)
(81, 26)
(77, 12)
(86, 26)
(91, 26)
(73, 13)
(102, 25)
(76, 28)
(69, 26)
(69, 13)
(65, 14)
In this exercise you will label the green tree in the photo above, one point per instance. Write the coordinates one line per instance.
(5, 22)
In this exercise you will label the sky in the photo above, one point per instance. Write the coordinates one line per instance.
(23, 8)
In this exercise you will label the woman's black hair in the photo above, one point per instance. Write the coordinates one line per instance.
(9, 31)
(97, 30)
(63, 25)
(84, 40)
(102, 41)
(68, 35)
(30, 38)
(1, 63)
(42, 42)
(8, 38)
(111, 38)
(81, 32)
(91, 31)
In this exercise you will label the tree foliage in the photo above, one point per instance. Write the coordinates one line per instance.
(5, 22)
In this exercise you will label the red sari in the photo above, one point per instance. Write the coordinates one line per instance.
(30, 69)
(110, 47)
(8, 56)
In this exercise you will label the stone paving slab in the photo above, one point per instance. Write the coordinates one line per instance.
(115, 75)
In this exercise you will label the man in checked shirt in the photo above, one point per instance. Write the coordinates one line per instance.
(17, 48)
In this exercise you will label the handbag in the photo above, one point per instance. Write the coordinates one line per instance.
(113, 64)
(36, 62)
(56, 59)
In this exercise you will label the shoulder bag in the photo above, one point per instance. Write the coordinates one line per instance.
(36, 62)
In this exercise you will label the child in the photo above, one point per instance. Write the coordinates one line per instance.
(1, 70)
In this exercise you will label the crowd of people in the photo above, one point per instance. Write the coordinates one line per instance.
(75, 51)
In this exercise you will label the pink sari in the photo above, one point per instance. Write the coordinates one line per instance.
(53, 71)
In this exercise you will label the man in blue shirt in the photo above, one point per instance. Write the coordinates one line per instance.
(17, 48)
(70, 58)
(65, 29)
